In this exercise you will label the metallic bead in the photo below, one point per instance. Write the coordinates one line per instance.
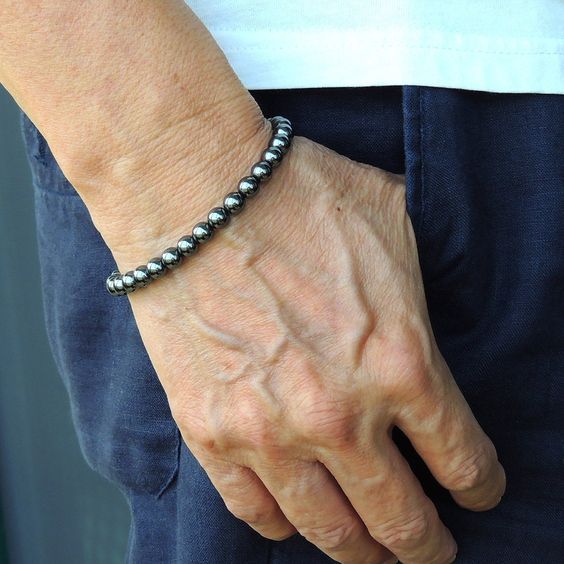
(128, 282)
(281, 142)
(273, 156)
(141, 275)
(278, 120)
(171, 257)
(110, 286)
(218, 217)
(110, 283)
(155, 267)
(283, 129)
(187, 245)
(248, 186)
(118, 286)
(261, 170)
(202, 231)
(234, 202)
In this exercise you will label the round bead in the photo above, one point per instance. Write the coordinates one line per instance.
(261, 170)
(187, 245)
(155, 267)
(273, 156)
(234, 202)
(218, 218)
(171, 257)
(278, 120)
(248, 186)
(110, 283)
(141, 275)
(110, 286)
(128, 280)
(202, 231)
(283, 129)
(118, 286)
(281, 142)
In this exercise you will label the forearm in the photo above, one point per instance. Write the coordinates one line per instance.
(127, 94)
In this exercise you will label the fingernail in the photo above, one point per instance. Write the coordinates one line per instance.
(454, 553)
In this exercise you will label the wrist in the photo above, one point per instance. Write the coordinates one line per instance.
(265, 230)
(145, 200)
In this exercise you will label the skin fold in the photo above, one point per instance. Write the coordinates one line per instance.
(298, 337)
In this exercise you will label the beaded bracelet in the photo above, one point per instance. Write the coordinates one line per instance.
(119, 284)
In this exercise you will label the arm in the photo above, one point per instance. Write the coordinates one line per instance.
(110, 83)
(286, 373)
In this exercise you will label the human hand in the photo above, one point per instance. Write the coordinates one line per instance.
(293, 343)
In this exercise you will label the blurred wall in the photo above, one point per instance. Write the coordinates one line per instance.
(54, 509)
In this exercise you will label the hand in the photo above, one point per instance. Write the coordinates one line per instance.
(293, 343)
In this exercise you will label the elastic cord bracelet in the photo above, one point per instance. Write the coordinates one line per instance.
(119, 284)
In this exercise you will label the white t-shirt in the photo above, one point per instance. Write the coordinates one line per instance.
(492, 45)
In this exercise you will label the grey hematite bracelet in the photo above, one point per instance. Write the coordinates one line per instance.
(119, 284)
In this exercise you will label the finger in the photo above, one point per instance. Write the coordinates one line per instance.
(247, 498)
(391, 503)
(442, 428)
(314, 504)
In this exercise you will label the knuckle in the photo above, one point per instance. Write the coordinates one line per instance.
(331, 429)
(258, 435)
(248, 426)
(255, 433)
(405, 530)
(405, 360)
(471, 470)
(196, 431)
(332, 536)
(325, 420)
(254, 515)
(227, 431)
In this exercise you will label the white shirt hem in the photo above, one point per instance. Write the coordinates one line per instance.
(334, 58)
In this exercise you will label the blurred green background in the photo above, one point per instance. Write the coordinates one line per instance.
(53, 508)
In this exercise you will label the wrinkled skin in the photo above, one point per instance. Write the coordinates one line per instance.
(293, 343)
(298, 337)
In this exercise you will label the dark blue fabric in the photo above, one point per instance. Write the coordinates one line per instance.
(485, 186)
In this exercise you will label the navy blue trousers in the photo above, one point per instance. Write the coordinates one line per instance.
(485, 184)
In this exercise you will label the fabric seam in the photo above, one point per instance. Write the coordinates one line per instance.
(422, 199)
